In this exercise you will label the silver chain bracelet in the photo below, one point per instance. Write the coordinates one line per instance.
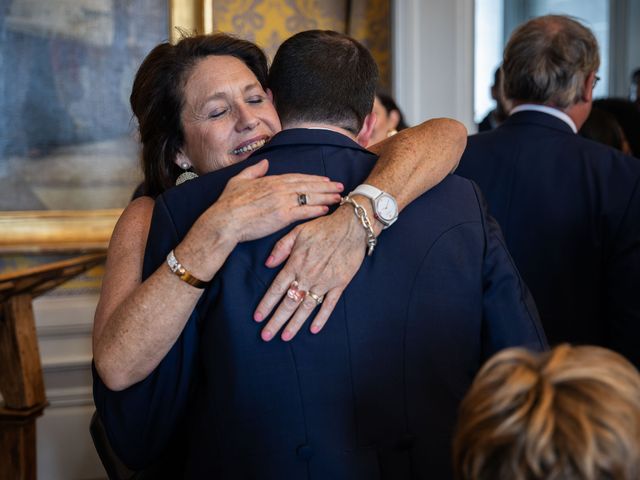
(361, 214)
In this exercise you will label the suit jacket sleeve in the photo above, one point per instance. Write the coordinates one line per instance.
(142, 420)
(622, 303)
(510, 316)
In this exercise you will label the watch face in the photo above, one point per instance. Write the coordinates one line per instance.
(386, 208)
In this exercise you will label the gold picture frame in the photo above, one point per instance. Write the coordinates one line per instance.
(190, 16)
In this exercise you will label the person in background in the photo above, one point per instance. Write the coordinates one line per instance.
(568, 207)
(627, 114)
(602, 127)
(634, 90)
(495, 117)
(571, 413)
(389, 118)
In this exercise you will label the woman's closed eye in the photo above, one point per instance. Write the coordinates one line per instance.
(217, 113)
(255, 99)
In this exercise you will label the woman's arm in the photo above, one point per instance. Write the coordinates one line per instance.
(327, 252)
(137, 323)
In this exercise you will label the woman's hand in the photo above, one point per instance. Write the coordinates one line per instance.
(325, 254)
(253, 206)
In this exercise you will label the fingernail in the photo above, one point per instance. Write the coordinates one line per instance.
(258, 317)
(325, 208)
(340, 186)
(267, 335)
(286, 336)
(269, 261)
(315, 329)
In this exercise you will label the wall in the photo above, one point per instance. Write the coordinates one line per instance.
(64, 447)
(433, 59)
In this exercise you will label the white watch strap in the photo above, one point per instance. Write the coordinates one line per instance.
(367, 191)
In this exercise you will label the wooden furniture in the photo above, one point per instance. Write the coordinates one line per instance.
(21, 380)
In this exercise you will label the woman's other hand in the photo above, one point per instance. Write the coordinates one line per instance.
(324, 255)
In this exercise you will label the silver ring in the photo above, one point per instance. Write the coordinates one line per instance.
(302, 199)
(315, 297)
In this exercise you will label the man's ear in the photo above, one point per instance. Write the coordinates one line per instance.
(587, 91)
(364, 135)
(269, 94)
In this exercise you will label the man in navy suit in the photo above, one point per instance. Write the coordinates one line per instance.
(375, 394)
(569, 208)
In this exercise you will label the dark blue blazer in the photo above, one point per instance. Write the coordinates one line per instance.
(375, 394)
(569, 209)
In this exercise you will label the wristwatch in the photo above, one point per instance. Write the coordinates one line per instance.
(385, 207)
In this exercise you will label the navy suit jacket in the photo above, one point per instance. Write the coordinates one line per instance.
(569, 209)
(375, 394)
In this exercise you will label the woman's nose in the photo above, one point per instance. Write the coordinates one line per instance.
(246, 119)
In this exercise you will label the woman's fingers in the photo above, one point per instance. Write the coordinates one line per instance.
(274, 294)
(319, 199)
(254, 171)
(294, 309)
(311, 300)
(328, 305)
(309, 187)
(281, 250)
(284, 311)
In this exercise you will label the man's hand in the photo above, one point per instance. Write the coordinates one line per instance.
(324, 255)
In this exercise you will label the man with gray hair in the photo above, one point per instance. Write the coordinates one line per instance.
(569, 207)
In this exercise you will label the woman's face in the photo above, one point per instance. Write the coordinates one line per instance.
(385, 122)
(226, 114)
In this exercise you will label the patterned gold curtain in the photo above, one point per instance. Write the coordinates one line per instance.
(269, 22)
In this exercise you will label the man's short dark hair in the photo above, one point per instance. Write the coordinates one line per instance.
(323, 76)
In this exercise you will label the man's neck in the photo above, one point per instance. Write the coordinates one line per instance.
(567, 115)
(578, 112)
(320, 126)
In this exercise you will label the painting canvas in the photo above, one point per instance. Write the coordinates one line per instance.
(67, 137)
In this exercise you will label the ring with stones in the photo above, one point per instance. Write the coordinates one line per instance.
(294, 293)
(302, 199)
(315, 297)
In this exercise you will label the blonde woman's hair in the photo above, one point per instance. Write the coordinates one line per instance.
(571, 413)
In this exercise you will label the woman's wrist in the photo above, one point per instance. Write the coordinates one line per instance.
(206, 246)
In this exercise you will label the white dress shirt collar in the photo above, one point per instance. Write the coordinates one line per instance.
(531, 107)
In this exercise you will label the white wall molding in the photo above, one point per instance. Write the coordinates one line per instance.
(433, 59)
(70, 397)
(64, 325)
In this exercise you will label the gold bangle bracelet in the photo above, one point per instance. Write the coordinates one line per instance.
(182, 272)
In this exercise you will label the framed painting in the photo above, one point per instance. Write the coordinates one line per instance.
(69, 159)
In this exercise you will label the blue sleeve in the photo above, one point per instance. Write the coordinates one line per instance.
(622, 281)
(143, 420)
(510, 316)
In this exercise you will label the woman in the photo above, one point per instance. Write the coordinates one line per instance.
(183, 126)
(389, 118)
